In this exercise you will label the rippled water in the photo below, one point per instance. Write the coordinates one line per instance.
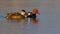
(16, 27)
(49, 19)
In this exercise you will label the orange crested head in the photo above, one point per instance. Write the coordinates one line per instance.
(35, 11)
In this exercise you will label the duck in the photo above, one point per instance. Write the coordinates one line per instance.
(33, 14)
(23, 14)
(16, 16)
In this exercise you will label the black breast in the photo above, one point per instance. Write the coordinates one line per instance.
(31, 15)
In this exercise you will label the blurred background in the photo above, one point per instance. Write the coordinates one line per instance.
(48, 19)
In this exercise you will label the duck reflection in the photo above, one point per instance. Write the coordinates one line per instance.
(25, 21)
(22, 21)
(35, 21)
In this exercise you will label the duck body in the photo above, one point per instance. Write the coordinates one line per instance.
(15, 16)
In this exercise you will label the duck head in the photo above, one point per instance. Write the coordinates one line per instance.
(35, 11)
(23, 12)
